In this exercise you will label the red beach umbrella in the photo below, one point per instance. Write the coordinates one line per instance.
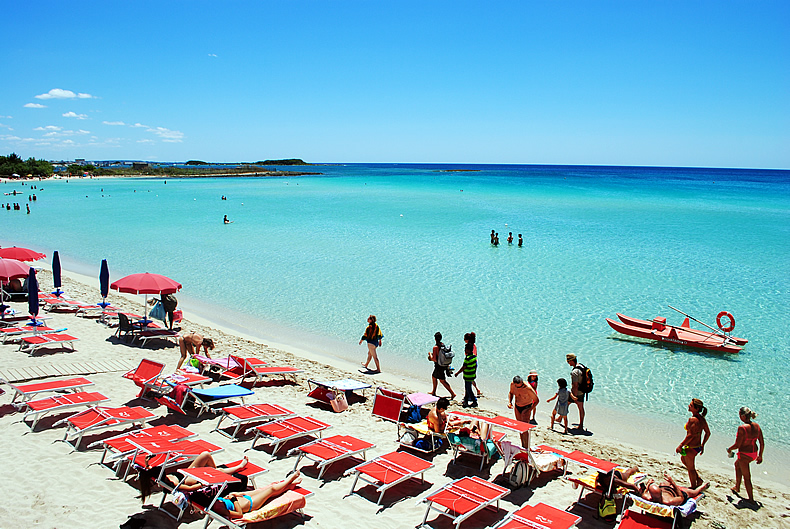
(12, 269)
(146, 283)
(21, 254)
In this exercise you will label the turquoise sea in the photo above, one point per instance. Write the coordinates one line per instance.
(308, 258)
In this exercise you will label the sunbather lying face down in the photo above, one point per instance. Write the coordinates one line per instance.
(238, 503)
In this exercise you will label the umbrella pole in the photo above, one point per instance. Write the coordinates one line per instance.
(145, 312)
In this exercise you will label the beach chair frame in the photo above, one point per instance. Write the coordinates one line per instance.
(28, 391)
(260, 413)
(339, 447)
(59, 404)
(288, 424)
(462, 487)
(388, 461)
(107, 418)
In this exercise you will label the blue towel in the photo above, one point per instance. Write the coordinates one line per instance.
(223, 392)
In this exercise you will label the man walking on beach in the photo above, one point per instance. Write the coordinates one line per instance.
(577, 395)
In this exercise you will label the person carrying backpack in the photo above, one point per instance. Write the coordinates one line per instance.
(581, 385)
(441, 356)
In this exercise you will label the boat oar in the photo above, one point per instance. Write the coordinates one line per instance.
(717, 331)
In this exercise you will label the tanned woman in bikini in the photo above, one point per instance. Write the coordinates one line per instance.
(747, 439)
(694, 443)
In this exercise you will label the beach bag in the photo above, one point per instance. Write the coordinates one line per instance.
(445, 355)
(519, 474)
(607, 509)
(157, 311)
(408, 438)
(586, 383)
(422, 444)
(413, 414)
(338, 401)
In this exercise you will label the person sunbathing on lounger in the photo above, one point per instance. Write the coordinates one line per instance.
(239, 503)
(147, 476)
(670, 493)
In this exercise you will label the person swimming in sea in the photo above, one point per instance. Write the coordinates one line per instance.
(226, 221)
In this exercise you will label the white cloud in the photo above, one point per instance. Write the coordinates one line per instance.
(6, 117)
(60, 134)
(35, 105)
(113, 123)
(59, 93)
(4, 126)
(48, 127)
(75, 115)
(6, 137)
(212, 54)
(139, 126)
(171, 136)
(145, 141)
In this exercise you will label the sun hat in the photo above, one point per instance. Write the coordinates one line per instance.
(533, 372)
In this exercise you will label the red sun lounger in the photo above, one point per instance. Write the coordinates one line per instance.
(152, 334)
(249, 413)
(463, 498)
(538, 517)
(14, 321)
(28, 344)
(165, 454)
(28, 391)
(389, 470)
(120, 445)
(255, 367)
(463, 443)
(14, 333)
(331, 449)
(639, 520)
(39, 408)
(99, 418)
(599, 465)
(145, 375)
(284, 430)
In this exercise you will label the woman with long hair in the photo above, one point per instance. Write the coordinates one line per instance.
(747, 439)
(694, 442)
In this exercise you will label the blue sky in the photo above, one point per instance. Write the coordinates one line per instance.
(697, 83)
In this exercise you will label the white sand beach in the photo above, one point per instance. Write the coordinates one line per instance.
(48, 484)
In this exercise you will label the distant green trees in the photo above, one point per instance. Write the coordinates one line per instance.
(76, 168)
(13, 164)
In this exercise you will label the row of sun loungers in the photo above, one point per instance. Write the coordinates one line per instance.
(170, 447)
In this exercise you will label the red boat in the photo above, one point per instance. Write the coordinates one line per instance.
(658, 329)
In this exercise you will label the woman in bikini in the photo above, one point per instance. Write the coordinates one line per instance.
(373, 337)
(238, 503)
(694, 443)
(747, 439)
(190, 344)
(668, 492)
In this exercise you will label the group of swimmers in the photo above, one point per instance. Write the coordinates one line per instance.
(495, 239)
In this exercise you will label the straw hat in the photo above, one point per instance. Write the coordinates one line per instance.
(533, 372)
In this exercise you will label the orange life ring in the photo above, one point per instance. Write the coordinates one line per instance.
(731, 325)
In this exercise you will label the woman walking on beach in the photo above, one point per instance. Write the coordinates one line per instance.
(747, 439)
(694, 444)
(373, 337)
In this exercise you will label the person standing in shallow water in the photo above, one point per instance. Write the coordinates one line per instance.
(373, 338)
(747, 439)
(694, 444)
(520, 241)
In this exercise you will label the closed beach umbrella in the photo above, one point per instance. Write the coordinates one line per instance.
(146, 283)
(56, 273)
(21, 254)
(104, 282)
(32, 295)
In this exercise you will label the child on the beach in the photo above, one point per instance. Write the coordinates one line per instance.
(561, 408)
(532, 380)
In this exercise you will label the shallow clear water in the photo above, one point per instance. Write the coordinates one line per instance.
(308, 258)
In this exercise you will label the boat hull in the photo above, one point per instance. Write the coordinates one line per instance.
(635, 322)
(676, 336)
